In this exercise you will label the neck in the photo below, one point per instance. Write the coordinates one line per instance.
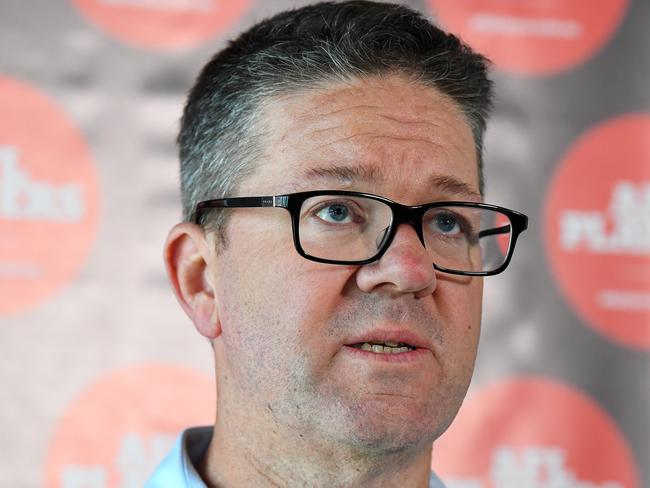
(274, 457)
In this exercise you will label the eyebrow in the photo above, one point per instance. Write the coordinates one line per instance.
(347, 175)
(450, 184)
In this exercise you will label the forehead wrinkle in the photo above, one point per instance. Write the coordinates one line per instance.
(345, 132)
(339, 175)
(374, 136)
(344, 124)
(410, 122)
(327, 129)
(420, 113)
(338, 111)
(422, 131)
(314, 120)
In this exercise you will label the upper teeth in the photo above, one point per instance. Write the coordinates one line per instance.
(388, 347)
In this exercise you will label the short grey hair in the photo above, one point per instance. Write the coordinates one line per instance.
(221, 136)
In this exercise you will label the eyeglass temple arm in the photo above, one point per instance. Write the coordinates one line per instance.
(267, 201)
(238, 202)
(492, 232)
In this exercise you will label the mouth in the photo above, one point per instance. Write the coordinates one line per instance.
(384, 347)
(389, 345)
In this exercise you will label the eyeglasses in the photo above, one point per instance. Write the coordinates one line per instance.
(346, 227)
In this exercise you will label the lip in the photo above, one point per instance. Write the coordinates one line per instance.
(410, 357)
(391, 335)
(422, 349)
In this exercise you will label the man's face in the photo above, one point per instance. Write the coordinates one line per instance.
(285, 354)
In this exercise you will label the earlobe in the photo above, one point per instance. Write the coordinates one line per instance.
(188, 259)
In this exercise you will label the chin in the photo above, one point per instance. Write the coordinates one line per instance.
(383, 441)
(397, 427)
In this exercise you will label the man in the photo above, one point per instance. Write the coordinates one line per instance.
(344, 325)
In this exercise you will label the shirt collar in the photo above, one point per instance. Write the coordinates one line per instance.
(179, 467)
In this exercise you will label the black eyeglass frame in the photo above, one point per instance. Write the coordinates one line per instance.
(401, 214)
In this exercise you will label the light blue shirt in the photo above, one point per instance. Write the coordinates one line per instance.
(178, 469)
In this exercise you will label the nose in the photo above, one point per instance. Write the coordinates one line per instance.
(405, 267)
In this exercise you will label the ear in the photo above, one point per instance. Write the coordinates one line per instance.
(188, 258)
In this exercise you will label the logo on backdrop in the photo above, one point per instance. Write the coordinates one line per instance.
(48, 198)
(597, 223)
(122, 426)
(533, 433)
(532, 36)
(163, 24)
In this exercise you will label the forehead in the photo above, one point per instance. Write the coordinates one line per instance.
(382, 135)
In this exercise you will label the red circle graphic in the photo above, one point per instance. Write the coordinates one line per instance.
(163, 24)
(533, 432)
(534, 37)
(120, 428)
(597, 226)
(48, 198)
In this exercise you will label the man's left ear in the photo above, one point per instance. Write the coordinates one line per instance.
(188, 257)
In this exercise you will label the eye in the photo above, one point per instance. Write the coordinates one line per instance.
(335, 213)
(447, 224)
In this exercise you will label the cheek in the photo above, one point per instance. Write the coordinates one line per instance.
(460, 309)
(276, 300)
(312, 300)
(460, 305)
(475, 305)
(468, 297)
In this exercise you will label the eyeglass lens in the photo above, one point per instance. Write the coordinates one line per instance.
(353, 228)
